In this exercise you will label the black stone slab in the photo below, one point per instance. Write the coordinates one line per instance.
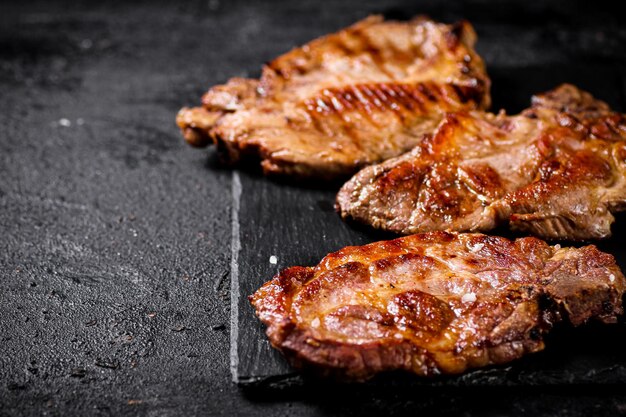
(297, 225)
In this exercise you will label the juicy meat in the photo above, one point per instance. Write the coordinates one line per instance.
(434, 303)
(557, 170)
(344, 101)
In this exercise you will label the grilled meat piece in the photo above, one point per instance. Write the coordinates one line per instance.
(557, 170)
(434, 303)
(346, 100)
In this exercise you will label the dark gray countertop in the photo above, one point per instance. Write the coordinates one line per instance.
(115, 236)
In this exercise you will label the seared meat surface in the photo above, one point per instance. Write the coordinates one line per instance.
(346, 100)
(557, 170)
(434, 303)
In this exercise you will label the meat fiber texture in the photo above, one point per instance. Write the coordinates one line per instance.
(557, 170)
(343, 101)
(434, 303)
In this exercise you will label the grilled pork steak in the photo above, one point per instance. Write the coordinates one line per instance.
(434, 303)
(346, 100)
(557, 170)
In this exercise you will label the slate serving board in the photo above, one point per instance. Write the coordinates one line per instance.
(298, 225)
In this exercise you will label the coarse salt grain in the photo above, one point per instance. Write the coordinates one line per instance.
(557, 246)
(315, 323)
(470, 297)
(65, 122)
(477, 247)
(273, 260)
(612, 278)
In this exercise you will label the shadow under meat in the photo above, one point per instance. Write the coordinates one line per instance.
(586, 355)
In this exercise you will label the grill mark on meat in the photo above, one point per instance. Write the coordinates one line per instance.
(427, 92)
(390, 103)
(372, 98)
(403, 100)
(365, 100)
(434, 303)
(345, 100)
(544, 171)
(463, 94)
(362, 104)
(405, 97)
(413, 94)
(396, 101)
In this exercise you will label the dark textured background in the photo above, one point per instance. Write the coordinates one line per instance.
(115, 237)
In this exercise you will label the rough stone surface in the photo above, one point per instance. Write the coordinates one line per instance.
(115, 236)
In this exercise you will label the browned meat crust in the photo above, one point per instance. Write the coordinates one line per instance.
(558, 170)
(434, 303)
(346, 100)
